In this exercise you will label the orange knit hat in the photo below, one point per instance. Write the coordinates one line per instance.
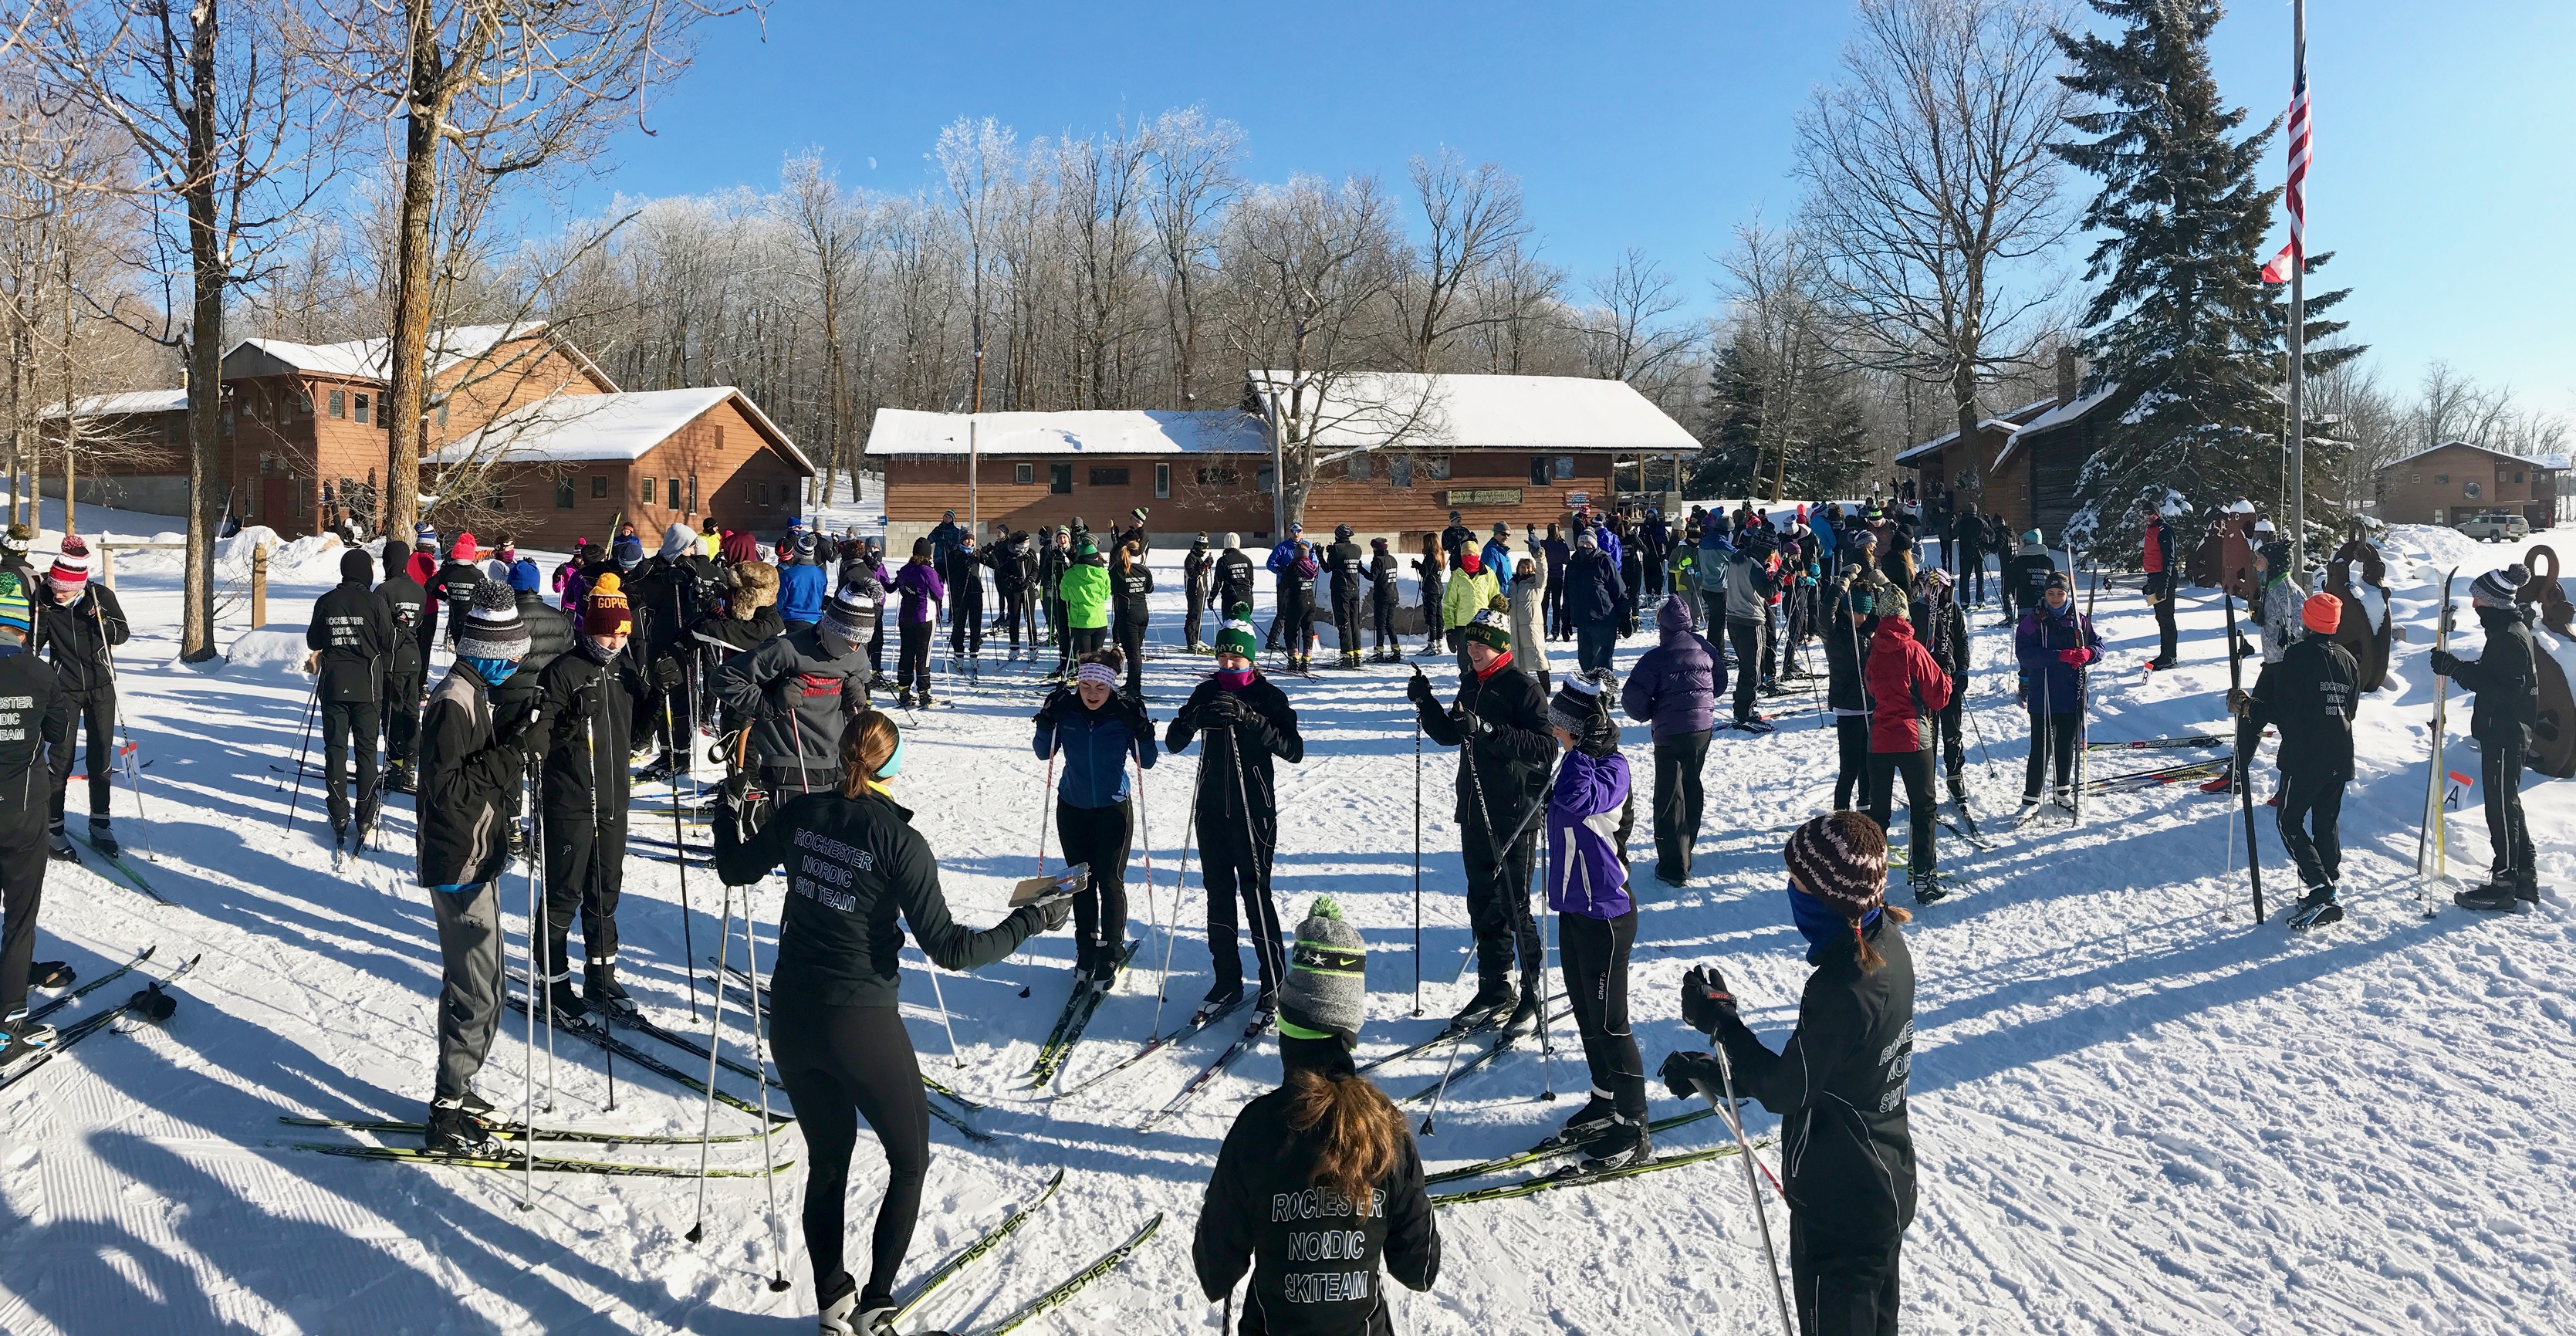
(2322, 613)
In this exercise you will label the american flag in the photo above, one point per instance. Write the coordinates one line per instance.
(2302, 147)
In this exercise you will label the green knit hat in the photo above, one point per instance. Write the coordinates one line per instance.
(1236, 635)
(1326, 993)
(1491, 629)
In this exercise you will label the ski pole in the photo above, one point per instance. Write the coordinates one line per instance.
(528, 1063)
(715, 1046)
(687, 932)
(1180, 887)
(1456, 1042)
(133, 763)
(1417, 862)
(760, 1064)
(1752, 1185)
(537, 899)
(301, 751)
(1546, 1038)
(1145, 837)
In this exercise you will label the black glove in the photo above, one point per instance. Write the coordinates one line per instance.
(1057, 702)
(1419, 691)
(778, 699)
(1132, 711)
(728, 827)
(1683, 1071)
(530, 733)
(2445, 663)
(1053, 912)
(1705, 999)
(667, 673)
(1228, 708)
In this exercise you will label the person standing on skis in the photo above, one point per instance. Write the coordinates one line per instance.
(666, 594)
(588, 698)
(1941, 627)
(920, 593)
(1196, 571)
(35, 717)
(1008, 555)
(1131, 589)
(1907, 692)
(858, 875)
(1499, 726)
(799, 692)
(1750, 585)
(1096, 730)
(2164, 567)
(1325, 1157)
(1232, 586)
(1388, 648)
(1247, 721)
(1472, 590)
(455, 581)
(2276, 610)
(2506, 681)
(1427, 571)
(348, 641)
(1838, 1084)
(406, 667)
(2313, 697)
(1590, 812)
(1673, 689)
(1083, 592)
(2026, 575)
(78, 627)
(966, 615)
(2053, 643)
(1348, 567)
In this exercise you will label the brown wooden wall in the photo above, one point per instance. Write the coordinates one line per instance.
(2433, 488)
(728, 457)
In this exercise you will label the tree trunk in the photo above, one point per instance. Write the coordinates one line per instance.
(205, 335)
(407, 358)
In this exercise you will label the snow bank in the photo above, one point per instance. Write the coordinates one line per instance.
(2444, 547)
(268, 647)
(316, 557)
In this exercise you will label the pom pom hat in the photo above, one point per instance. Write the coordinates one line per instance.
(2495, 589)
(1325, 995)
(492, 628)
(1236, 636)
(604, 611)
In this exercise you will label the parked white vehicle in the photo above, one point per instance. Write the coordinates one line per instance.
(2496, 526)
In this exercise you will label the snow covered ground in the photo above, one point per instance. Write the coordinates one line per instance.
(2136, 1111)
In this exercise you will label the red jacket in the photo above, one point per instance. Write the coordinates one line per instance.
(2157, 539)
(1904, 685)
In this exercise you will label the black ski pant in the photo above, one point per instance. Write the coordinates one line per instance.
(912, 659)
(402, 716)
(1131, 647)
(1746, 636)
(1431, 628)
(1678, 801)
(2050, 735)
(966, 630)
(1234, 870)
(1346, 620)
(1852, 785)
(1946, 727)
(841, 1064)
(1916, 767)
(585, 869)
(1097, 836)
(876, 646)
(1081, 640)
(1593, 644)
(1713, 613)
(1595, 961)
(1384, 609)
(1770, 645)
(2160, 591)
(1559, 625)
(1193, 617)
(347, 723)
(2249, 735)
(1842, 1285)
(1014, 612)
(2310, 810)
(2500, 756)
(96, 710)
(1498, 906)
(22, 894)
(1280, 622)
(1972, 576)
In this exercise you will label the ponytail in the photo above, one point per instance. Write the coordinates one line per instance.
(1870, 959)
(1362, 1132)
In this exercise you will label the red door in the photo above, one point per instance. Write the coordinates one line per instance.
(277, 508)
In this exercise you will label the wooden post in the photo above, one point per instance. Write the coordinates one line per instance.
(107, 565)
(259, 587)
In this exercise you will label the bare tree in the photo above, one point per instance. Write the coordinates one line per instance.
(978, 162)
(833, 233)
(1773, 312)
(1630, 334)
(1930, 182)
(1473, 216)
(1194, 162)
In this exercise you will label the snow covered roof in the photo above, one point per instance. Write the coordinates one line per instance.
(2535, 461)
(580, 427)
(113, 405)
(908, 432)
(2011, 420)
(2055, 418)
(1540, 413)
(364, 359)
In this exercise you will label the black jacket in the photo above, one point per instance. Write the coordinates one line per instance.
(1009, 560)
(1233, 581)
(514, 702)
(1846, 648)
(1197, 569)
(454, 585)
(469, 782)
(1315, 1268)
(2027, 577)
(407, 604)
(800, 690)
(355, 633)
(1511, 753)
(2312, 694)
(2505, 677)
(1127, 591)
(1052, 563)
(1381, 574)
(1231, 795)
(1846, 1153)
(589, 713)
(666, 594)
(78, 638)
(852, 865)
(1347, 564)
(1943, 628)
(35, 723)
(964, 582)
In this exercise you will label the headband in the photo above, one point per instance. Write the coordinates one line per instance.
(1097, 672)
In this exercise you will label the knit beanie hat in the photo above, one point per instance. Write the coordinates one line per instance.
(1326, 993)
(1841, 859)
(16, 611)
(1236, 636)
(1584, 538)
(679, 540)
(604, 612)
(628, 552)
(356, 567)
(525, 578)
(1578, 710)
(1083, 546)
(845, 612)
(921, 547)
(424, 537)
(1233, 539)
(2030, 538)
(806, 547)
(1341, 533)
(18, 540)
(463, 549)
(2322, 613)
(492, 628)
(2495, 589)
(71, 569)
(1491, 630)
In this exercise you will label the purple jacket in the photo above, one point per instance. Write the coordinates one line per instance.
(2048, 681)
(1675, 685)
(1587, 871)
(921, 589)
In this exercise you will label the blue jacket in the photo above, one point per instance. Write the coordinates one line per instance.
(1587, 869)
(1497, 557)
(1096, 745)
(1283, 556)
(1609, 542)
(801, 589)
(1594, 594)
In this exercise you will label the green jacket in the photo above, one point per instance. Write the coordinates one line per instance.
(1085, 591)
(1466, 596)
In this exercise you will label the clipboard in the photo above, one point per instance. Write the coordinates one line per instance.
(1072, 881)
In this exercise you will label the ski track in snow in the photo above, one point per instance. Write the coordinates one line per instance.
(2135, 1111)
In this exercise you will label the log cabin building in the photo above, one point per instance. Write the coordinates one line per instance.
(2456, 479)
(1394, 452)
(2026, 464)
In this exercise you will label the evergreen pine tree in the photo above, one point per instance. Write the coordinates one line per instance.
(1819, 426)
(2182, 324)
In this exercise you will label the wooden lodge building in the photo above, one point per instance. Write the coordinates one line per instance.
(1394, 452)
(2025, 464)
(304, 441)
(2455, 480)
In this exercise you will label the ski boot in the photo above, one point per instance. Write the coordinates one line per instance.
(2064, 798)
(1265, 1007)
(903, 698)
(2315, 909)
(1927, 885)
(659, 771)
(455, 1130)
(2494, 898)
(1625, 1144)
(102, 838)
(59, 845)
(841, 1315)
(1492, 1002)
(567, 1004)
(21, 1039)
(398, 778)
(517, 840)
(1220, 995)
(601, 990)
(1596, 1117)
(926, 701)
(1525, 1016)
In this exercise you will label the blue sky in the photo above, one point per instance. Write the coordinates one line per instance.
(2443, 175)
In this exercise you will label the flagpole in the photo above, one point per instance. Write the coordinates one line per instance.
(2298, 316)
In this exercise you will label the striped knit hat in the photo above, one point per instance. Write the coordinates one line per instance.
(17, 540)
(16, 612)
(1491, 629)
(1235, 636)
(2495, 589)
(492, 628)
(1326, 993)
(846, 613)
(1841, 859)
(71, 569)
(424, 537)
(604, 611)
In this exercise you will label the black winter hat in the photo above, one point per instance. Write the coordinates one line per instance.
(356, 567)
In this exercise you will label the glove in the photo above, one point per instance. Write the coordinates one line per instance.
(778, 699)
(1419, 690)
(2446, 663)
(2076, 657)
(667, 673)
(530, 733)
(1132, 711)
(728, 828)
(1053, 912)
(1684, 1069)
(1228, 708)
(1057, 702)
(2237, 700)
(1705, 999)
